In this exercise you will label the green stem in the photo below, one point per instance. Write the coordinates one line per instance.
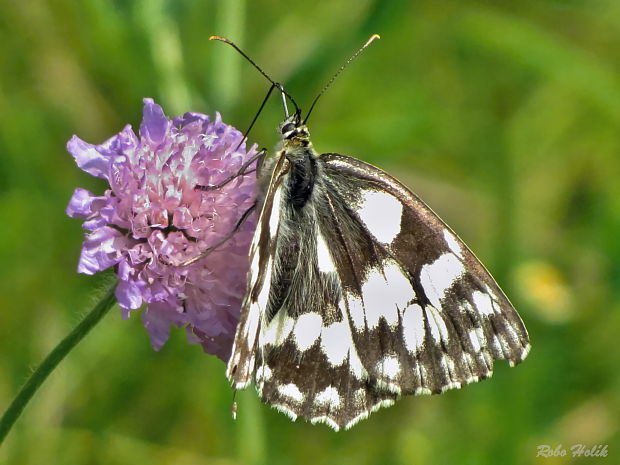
(52, 360)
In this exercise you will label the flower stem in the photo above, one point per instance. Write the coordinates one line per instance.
(52, 360)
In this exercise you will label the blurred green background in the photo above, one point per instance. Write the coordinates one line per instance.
(503, 116)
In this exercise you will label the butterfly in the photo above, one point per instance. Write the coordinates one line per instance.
(358, 293)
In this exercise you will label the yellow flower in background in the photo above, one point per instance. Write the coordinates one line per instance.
(544, 287)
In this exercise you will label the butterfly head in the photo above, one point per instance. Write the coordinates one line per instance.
(294, 132)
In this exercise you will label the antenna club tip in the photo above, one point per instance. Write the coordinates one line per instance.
(217, 38)
(371, 40)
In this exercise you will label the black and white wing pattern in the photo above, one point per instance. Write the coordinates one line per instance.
(358, 294)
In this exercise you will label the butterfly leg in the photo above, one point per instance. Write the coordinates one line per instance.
(258, 158)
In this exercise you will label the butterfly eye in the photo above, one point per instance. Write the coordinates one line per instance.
(288, 127)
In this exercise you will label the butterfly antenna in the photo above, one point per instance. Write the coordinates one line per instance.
(342, 68)
(275, 84)
(260, 109)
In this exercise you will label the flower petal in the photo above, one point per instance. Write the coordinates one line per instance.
(220, 346)
(88, 158)
(121, 143)
(182, 218)
(157, 319)
(154, 125)
(128, 295)
(101, 250)
(81, 203)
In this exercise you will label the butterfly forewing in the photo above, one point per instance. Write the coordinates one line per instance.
(241, 365)
(359, 293)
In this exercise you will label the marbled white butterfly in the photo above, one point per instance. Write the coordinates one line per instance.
(359, 293)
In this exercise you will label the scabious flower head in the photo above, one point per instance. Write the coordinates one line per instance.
(152, 217)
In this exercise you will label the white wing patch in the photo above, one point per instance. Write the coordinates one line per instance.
(324, 258)
(338, 346)
(336, 342)
(385, 291)
(291, 391)
(278, 330)
(413, 328)
(250, 333)
(474, 338)
(355, 365)
(307, 330)
(356, 311)
(264, 373)
(328, 397)
(274, 218)
(440, 276)
(400, 287)
(483, 303)
(453, 244)
(263, 295)
(389, 367)
(381, 213)
(254, 269)
(374, 292)
(437, 326)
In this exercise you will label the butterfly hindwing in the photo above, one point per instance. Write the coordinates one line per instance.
(359, 293)
(442, 318)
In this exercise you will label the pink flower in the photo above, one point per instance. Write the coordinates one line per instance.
(152, 216)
